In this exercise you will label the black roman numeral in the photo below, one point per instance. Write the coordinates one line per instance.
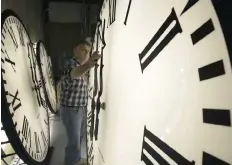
(44, 138)
(223, 10)
(172, 33)
(90, 155)
(7, 59)
(217, 116)
(21, 39)
(89, 117)
(3, 28)
(25, 128)
(26, 131)
(175, 156)
(202, 31)
(2, 43)
(211, 70)
(189, 4)
(3, 36)
(212, 160)
(127, 12)
(37, 143)
(29, 137)
(112, 12)
(11, 32)
(15, 97)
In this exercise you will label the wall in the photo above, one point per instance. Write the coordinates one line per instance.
(30, 11)
(60, 39)
(64, 29)
(166, 84)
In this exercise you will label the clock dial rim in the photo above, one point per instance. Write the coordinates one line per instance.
(38, 45)
(7, 121)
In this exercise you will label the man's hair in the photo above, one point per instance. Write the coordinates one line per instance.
(82, 42)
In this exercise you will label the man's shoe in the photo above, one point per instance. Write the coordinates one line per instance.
(82, 162)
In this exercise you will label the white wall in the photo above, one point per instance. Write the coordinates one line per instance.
(168, 97)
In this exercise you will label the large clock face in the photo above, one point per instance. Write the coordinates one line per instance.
(23, 101)
(167, 84)
(46, 71)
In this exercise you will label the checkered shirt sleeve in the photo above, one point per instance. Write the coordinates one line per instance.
(74, 91)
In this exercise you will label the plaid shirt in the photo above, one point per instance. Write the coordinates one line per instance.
(74, 92)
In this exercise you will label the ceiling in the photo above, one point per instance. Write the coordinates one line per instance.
(79, 1)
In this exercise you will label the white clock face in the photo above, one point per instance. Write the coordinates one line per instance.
(167, 84)
(26, 106)
(46, 69)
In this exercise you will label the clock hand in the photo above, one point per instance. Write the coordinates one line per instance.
(98, 106)
(91, 115)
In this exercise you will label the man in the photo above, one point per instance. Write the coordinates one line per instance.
(73, 100)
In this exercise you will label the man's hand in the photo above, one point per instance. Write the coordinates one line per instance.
(81, 70)
(93, 59)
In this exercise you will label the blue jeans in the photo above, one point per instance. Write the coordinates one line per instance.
(74, 120)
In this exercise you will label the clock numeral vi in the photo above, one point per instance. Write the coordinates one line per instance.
(44, 139)
(26, 131)
(37, 143)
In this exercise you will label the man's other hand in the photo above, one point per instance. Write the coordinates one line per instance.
(93, 59)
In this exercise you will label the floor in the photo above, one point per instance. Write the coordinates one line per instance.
(59, 140)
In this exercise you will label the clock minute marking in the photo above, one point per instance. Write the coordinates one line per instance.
(11, 32)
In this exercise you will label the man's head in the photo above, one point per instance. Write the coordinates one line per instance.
(82, 51)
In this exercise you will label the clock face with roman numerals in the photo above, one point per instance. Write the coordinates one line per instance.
(46, 72)
(167, 84)
(24, 109)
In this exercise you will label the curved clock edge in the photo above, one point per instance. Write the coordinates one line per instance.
(41, 73)
(6, 119)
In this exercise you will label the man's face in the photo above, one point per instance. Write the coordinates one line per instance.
(82, 52)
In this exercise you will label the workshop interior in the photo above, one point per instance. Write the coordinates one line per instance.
(160, 94)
